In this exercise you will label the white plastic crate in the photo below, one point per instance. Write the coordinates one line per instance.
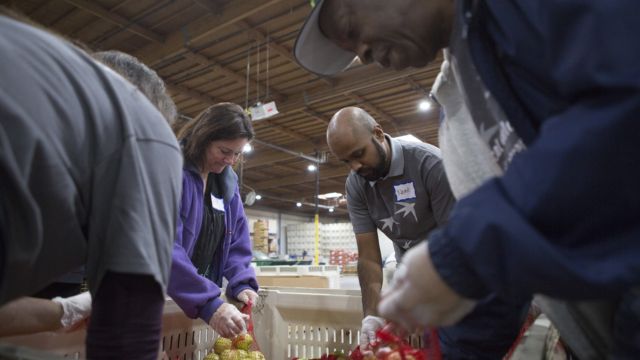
(182, 338)
(288, 323)
(298, 269)
(330, 272)
(307, 322)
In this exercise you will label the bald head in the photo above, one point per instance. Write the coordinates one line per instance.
(348, 126)
(355, 138)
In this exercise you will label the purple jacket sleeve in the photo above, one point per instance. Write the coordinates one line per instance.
(237, 268)
(196, 295)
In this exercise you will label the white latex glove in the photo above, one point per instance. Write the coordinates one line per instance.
(418, 296)
(370, 324)
(74, 309)
(247, 295)
(228, 321)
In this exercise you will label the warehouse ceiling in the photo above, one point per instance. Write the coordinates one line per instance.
(203, 49)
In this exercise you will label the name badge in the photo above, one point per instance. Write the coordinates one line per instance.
(217, 204)
(405, 191)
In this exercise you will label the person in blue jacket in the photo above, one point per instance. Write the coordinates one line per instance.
(212, 239)
(553, 89)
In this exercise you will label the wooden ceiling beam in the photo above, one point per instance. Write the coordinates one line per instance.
(298, 103)
(348, 84)
(200, 96)
(38, 12)
(203, 27)
(316, 115)
(417, 87)
(226, 72)
(336, 182)
(211, 6)
(285, 130)
(266, 156)
(283, 167)
(278, 48)
(301, 178)
(121, 21)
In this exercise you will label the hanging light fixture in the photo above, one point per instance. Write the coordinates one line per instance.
(425, 105)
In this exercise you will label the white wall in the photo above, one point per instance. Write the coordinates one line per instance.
(277, 223)
(386, 246)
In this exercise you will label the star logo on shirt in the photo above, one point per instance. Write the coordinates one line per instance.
(406, 209)
(487, 134)
(388, 223)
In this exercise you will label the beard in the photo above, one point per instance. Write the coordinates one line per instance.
(379, 170)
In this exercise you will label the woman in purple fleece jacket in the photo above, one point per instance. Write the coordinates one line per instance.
(212, 237)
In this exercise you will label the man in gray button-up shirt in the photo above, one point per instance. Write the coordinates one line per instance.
(396, 186)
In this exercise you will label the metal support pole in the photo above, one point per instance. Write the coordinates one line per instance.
(317, 217)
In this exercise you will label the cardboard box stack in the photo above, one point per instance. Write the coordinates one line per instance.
(261, 236)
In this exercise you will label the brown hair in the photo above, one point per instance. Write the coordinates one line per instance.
(224, 121)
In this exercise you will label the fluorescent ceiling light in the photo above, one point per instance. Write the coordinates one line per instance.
(258, 197)
(425, 105)
(299, 204)
(331, 195)
(409, 137)
(312, 168)
(247, 148)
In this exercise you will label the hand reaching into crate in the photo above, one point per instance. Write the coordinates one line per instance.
(248, 296)
(418, 296)
(370, 324)
(228, 321)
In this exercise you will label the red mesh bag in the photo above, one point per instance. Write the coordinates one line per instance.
(247, 309)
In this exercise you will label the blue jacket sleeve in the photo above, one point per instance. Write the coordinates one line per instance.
(196, 295)
(563, 220)
(237, 268)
